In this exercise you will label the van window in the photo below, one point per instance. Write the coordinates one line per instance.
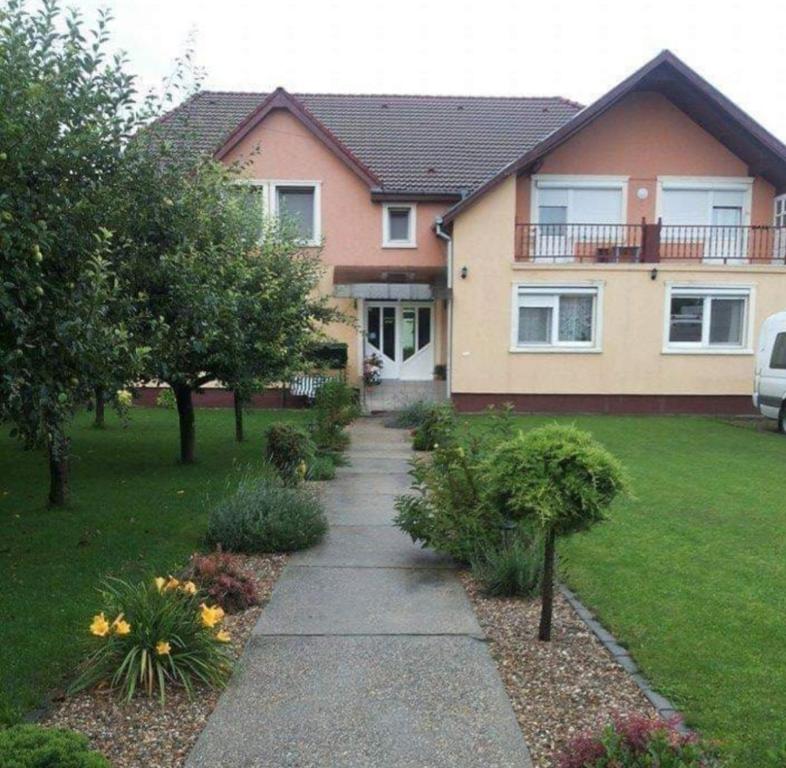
(778, 359)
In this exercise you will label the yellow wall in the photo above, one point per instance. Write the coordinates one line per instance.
(632, 360)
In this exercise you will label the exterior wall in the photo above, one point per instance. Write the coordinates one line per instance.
(631, 362)
(282, 148)
(643, 137)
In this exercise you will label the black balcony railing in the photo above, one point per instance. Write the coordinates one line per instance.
(650, 243)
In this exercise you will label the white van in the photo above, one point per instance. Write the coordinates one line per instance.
(769, 384)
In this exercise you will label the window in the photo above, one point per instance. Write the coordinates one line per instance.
(415, 330)
(297, 206)
(778, 358)
(297, 201)
(780, 211)
(398, 226)
(707, 319)
(554, 318)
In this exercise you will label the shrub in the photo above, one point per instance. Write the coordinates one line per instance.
(639, 742)
(335, 407)
(436, 427)
(448, 510)
(410, 416)
(321, 467)
(218, 575)
(166, 399)
(155, 634)
(32, 746)
(513, 569)
(266, 516)
(289, 449)
(561, 480)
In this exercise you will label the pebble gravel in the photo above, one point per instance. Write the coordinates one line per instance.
(142, 732)
(559, 689)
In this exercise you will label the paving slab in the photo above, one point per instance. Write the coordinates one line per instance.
(370, 547)
(363, 702)
(377, 483)
(370, 465)
(368, 601)
(353, 507)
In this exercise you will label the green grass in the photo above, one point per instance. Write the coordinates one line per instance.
(134, 511)
(691, 573)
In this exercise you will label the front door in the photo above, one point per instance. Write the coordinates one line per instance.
(402, 335)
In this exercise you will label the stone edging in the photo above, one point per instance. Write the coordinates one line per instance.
(621, 655)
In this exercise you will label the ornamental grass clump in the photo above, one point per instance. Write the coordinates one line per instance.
(561, 480)
(153, 635)
(513, 569)
(639, 742)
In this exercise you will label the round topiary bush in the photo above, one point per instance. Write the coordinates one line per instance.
(31, 746)
(266, 516)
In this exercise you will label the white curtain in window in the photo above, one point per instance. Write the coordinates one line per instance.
(535, 325)
(575, 318)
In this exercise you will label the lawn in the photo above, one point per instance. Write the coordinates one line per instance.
(134, 511)
(691, 573)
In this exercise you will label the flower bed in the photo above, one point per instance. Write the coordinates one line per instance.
(559, 689)
(143, 732)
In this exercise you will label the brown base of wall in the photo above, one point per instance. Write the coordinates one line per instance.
(222, 398)
(470, 402)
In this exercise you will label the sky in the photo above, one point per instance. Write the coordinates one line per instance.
(489, 47)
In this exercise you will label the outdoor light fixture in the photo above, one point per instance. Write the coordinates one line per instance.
(654, 274)
(642, 193)
(464, 272)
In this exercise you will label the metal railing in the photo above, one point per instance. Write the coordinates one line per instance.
(650, 243)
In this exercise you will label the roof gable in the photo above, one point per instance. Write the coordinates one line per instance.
(280, 99)
(705, 105)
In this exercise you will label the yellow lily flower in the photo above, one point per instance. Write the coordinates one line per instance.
(99, 626)
(223, 636)
(173, 583)
(163, 648)
(160, 581)
(120, 626)
(211, 615)
(189, 587)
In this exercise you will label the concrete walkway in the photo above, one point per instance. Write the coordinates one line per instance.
(368, 654)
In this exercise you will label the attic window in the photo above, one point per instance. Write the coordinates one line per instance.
(398, 225)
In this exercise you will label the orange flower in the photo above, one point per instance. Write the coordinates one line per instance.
(100, 626)
(120, 626)
(211, 615)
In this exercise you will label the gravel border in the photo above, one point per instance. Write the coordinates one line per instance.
(561, 689)
(142, 733)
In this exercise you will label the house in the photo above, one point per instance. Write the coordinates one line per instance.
(617, 257)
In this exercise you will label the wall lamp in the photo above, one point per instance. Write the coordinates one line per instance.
(464, 272)
(654, 274)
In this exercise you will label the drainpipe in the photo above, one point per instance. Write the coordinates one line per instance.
(443, 235)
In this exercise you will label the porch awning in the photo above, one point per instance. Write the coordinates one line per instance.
(391, 291)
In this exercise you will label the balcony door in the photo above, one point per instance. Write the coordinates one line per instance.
(402, 335)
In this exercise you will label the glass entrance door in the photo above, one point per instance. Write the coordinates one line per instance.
(382, 336)
(402, 335)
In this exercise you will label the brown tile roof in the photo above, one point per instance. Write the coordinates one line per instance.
(416, 144)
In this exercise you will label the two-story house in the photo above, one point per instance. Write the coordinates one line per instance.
(615, 257)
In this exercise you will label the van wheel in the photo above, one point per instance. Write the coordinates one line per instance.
(782, 420)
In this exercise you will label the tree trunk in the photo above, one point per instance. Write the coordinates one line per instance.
(58, 471)
(238, 416)
(185, 412)
(99, 419)
(547, 590)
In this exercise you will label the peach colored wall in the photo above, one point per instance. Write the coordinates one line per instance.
(631, 360)
(643, 137)
(281, 148)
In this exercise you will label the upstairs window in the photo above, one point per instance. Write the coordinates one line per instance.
(296, 204)
(398, 225)
(780, 211)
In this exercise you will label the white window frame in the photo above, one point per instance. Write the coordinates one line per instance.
(707, 184)
(269, 189)
(709, 292)
(411, 241)
(595, 289)
(779, 219)
(560, 181)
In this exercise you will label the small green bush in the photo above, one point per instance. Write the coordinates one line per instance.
(166, 399)
(289, 449)
(513, 569)
(152, 635)
(321, 467)
(335, 407)
(447, 509)
(32, 746)
(436, 427)
(264, 515)
(410, 416)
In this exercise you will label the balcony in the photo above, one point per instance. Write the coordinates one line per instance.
(650, 244)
